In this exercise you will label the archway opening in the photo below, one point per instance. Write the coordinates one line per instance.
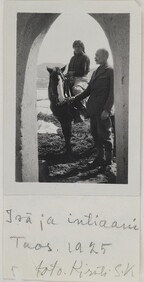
(56, 50)
(32, 28)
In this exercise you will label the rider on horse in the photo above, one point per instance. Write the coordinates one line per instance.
(78, 69)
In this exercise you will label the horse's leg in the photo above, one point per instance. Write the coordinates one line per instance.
(66, 129)
(65, 121)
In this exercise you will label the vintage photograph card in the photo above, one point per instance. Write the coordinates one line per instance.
(72, 100)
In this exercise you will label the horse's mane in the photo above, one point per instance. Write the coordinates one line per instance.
(55, 91)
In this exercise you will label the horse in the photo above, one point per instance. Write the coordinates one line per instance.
(58, 93)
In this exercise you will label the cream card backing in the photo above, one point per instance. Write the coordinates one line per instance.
(62, 222)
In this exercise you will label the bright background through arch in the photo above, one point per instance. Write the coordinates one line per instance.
(56, 50)
(57, 44)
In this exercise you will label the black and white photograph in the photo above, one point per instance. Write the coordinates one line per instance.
(74, 89)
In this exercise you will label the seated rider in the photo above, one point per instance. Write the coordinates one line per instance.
(78, 69)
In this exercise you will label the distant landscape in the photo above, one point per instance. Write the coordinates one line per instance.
(43, 76)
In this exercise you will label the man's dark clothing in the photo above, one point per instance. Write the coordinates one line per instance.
(100, 90)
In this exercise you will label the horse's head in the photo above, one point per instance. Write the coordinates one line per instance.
(56, 91)
(56, 73)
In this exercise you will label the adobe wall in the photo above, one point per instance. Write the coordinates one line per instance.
(30, 33)
(117, 29)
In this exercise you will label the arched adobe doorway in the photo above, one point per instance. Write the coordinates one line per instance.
(30, 33)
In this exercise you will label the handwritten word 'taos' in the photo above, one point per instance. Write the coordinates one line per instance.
(89, 219)
(21, 242)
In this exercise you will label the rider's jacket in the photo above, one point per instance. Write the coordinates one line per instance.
(80, 64)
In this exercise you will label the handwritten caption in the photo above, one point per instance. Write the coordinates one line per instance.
(76, 246)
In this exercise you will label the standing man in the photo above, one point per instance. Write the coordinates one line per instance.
(99, 107)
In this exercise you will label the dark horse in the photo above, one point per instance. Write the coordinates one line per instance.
(58, 92)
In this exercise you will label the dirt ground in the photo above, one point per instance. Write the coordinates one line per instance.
(55, 165)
